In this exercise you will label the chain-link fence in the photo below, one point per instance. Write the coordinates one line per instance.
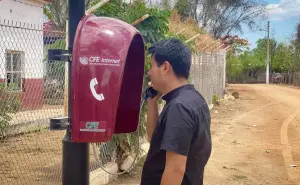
(207, 74)
(32, 90)
(259, 76)
(292, 78)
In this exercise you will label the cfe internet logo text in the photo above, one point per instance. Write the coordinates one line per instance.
(92, 127)
(107, 61)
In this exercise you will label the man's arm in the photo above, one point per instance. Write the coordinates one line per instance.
(179, 129)
(152, 116)
(174, 169)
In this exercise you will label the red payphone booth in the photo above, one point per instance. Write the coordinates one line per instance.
(107, 78)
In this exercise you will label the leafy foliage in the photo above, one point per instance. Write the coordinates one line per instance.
(251, 61)
(57, 12)
(241, 61)
(237, 45)
(153, 28)
(283, 59)
(55, 69)
(182, 6)
(296, 46)
(233, 66)
(260, 51)
(9, 104)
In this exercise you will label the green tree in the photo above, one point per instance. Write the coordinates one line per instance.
(56, 70)
(184, 8)
(9, 104)
(57, 12)
(283, 59)
(260, 52)
(296, 44)
(234, 67)
(241, 61)
(153, 28)
(246, 60)
(237, 58)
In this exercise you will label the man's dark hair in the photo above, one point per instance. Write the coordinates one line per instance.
(175, 52)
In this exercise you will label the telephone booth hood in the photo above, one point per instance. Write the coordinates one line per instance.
(107, 78)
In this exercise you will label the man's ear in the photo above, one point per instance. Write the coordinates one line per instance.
(167, 67)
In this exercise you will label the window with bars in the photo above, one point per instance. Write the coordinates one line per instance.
(14, 70)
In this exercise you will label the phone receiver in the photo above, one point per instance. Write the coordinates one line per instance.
(150, 92)
(93, 83)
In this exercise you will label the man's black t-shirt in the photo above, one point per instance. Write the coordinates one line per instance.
(183, 127)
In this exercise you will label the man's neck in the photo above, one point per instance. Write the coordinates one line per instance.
(173, 84)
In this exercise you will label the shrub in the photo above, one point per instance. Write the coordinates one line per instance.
(9, 104)
(215, 99)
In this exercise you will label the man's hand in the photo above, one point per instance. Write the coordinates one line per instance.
(154, 100)
(152, 114)
(174, 169)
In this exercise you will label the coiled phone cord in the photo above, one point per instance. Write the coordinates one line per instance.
(150, 92)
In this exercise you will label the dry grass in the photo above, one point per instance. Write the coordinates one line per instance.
(203, 42)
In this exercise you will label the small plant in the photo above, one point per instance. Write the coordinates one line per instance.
(9, 104)
(215, 99)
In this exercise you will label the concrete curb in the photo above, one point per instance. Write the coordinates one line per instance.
(100, 177)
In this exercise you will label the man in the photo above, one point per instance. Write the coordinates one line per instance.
(180, 140)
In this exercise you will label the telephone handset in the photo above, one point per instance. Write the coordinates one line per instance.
(150, 92)
(98, 97)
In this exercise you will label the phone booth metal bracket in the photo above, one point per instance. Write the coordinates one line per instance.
(59, 55)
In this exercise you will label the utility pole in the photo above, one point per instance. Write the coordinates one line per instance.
(268, 54)
(75, 155)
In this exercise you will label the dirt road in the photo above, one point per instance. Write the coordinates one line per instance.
(256, 139)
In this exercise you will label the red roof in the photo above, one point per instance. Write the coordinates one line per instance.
(43, 1)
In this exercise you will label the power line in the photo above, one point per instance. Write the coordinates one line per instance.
(19, 27)
(252, 31)
(27, 4)
(281, 5)
(287, 3)
(259, 29)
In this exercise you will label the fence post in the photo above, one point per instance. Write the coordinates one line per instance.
(224, 71)
(75, 155)
(66, 74)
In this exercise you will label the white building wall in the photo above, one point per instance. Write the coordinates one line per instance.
(21, 24)
(25, 11)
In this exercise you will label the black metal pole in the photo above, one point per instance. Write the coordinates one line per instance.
(75, 155)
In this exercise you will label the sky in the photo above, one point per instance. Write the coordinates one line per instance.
(283, 16)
